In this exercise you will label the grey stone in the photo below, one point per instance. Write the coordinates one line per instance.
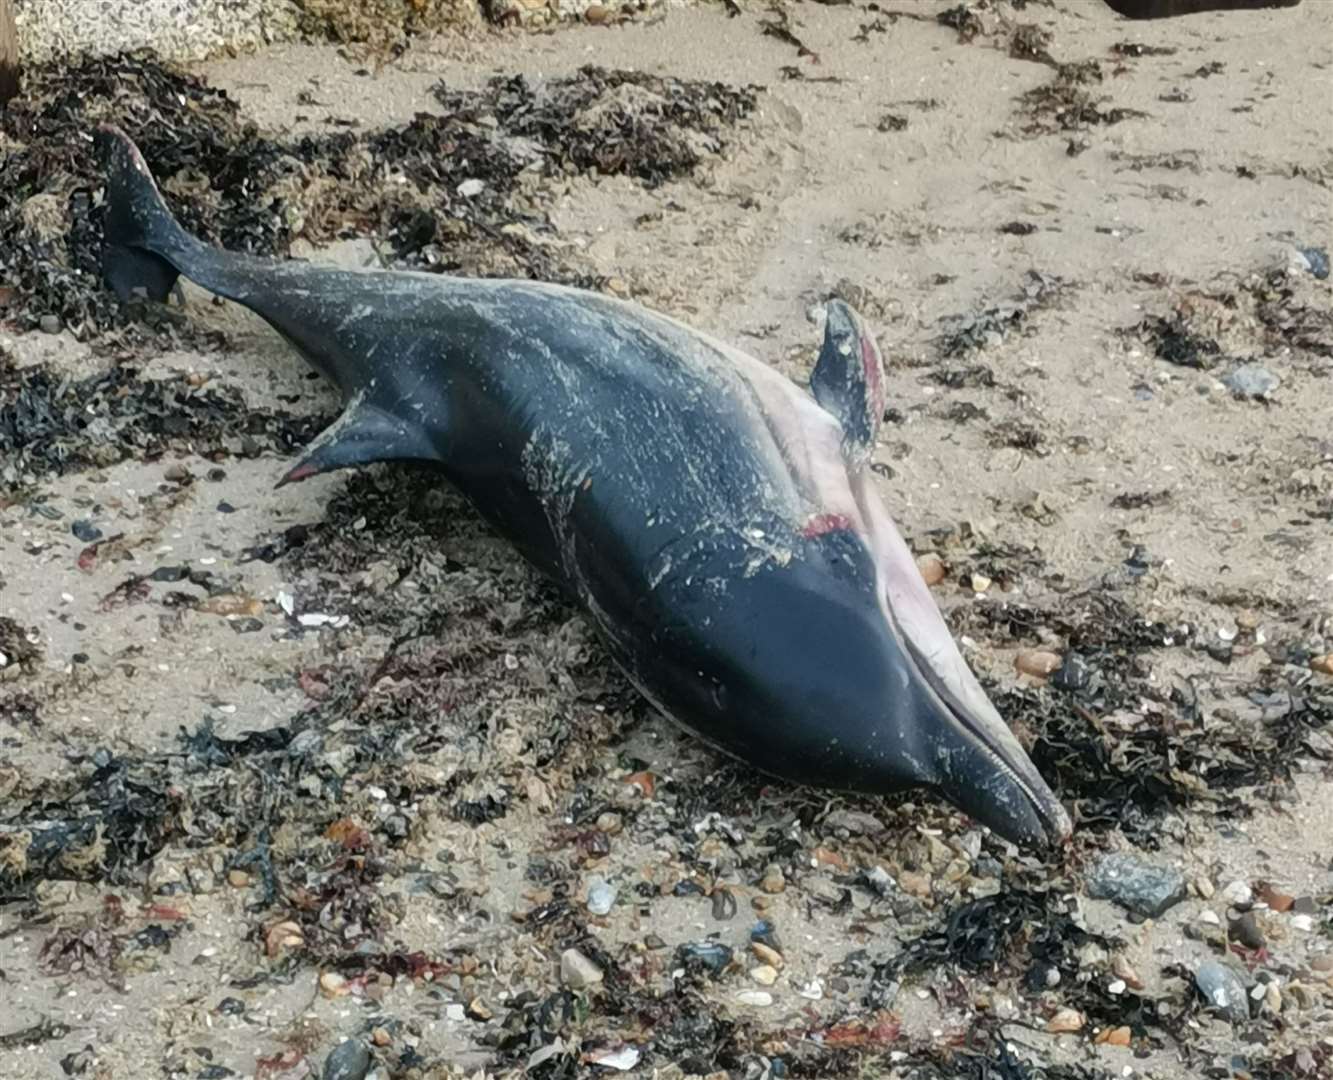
(349, 1060)
(1136, 885)
(1251, 381)
(577, 971)
(1223, 989)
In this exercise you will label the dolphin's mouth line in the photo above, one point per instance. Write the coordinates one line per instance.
(968, 723)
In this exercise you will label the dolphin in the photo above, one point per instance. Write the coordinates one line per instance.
(716, 522)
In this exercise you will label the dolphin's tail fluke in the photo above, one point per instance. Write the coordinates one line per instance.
(144, 245)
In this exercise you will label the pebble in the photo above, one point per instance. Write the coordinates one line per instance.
(1223, 990)
(774, 881)
(1251, 381)
(1323, 962)
(1209, 917)
(610, 823)
(1323, 664)
(1065, 1020)
(50, 324)
(1276, 899)
(1316, 258)
(601, 897)
(712, 954)
(1136, 885)
(1246, 930)
(771, 957)
(980, 583)
(332, 985)
(1302, 922)
(724, 904)
(86, 531)
(764, 974)
(1238, 893)
(914, 884)
(1037, 662)
(349, 1060)
(1204, 887)
(577, 971)
(1124, 971)
(758, 998)
(932, 568)
(1118, 1036)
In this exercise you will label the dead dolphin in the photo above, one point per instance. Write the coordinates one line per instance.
(1167, 9)
(714, 521)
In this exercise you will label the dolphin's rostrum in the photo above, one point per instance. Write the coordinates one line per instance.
(716, 522)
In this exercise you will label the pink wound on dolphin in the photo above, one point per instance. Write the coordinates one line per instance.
(819, 524)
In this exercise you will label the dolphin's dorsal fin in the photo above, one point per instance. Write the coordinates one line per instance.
(363, 434)
(848, 380)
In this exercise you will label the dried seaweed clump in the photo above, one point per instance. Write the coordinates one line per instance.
(1125, 748)
(461, 210)
(1067, 104)
(382, 23)
(51, 425)
(617, 123)
(988, 328)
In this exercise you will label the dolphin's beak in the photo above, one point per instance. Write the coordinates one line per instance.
(967, 752)
(959, 743)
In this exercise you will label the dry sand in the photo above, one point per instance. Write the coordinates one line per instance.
(1197, 196)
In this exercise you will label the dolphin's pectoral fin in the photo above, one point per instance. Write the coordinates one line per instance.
(848, 380)
(363, 434)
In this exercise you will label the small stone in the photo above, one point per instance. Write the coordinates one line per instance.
(598, 15)
(711, 954)
(1323, 962)
(50, 324)
(1117, 1036)
(380, 1036)
(238, 879)
(332, 985)
(1037, 662)
(455, 1012)
(1116, 987)
(477, 1009)
(1136, 884)
(1302, 922)
(1123, 970)
(1275, 899)
(1323, 664)
(1251, 381)
(283, 935)
(470, 189)
(1238, 894)
(1300, 995)
(178, 474)
(1316, 258)
(1065, 1020)
(980, 583)
(724, 904)
(758, 998)
(86, 531)
(349, 1060)
(773, 881)
(771, 957)
(601, 897)
(609, 823)
(1223, 990)
(1204, 887)
(1273, 998)
(764, 974)
(914, 884)
(577, 971)
(1209, 917)
(1246, 930)
(932, 568)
